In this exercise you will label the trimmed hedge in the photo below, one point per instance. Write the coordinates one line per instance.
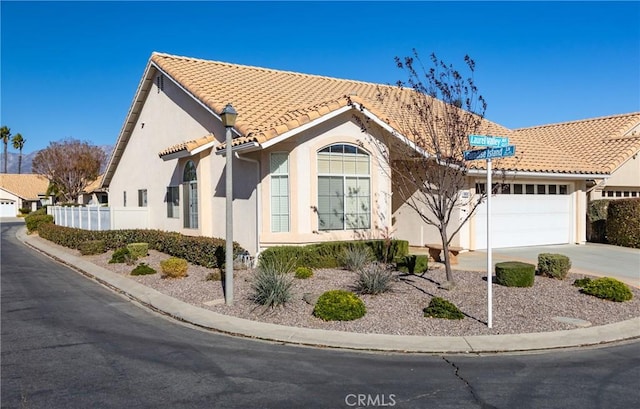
(515, 274)
(203, 251)
(597, 221)
(330, 254)
(138, 250)
(339, 305)
(623, 222)
(92, 247)
(413, 264)
(441, 308)
(143, 269)
(34, 221)
(174, 267)
(553, 265)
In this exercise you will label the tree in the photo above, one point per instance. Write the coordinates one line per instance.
(18, 143)
(70, 165)
(5, 134)
(436, 110)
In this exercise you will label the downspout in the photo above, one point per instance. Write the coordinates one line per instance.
(258, 184)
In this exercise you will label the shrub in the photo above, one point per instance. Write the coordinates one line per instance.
(272, 282)
(122, 255)
(597, 221)
(623, 222)
(215, 275)
(356, 257)
(581, 282)
(303, 272)
(174, 267)
(374, 278)
(34, 221)
(413, 264)
(339, 305)
(25, 210)
(441, 308)
(553, 265)
(142, 269)
(92, 247)
(515, 274)
(138, 250)
(608, 288)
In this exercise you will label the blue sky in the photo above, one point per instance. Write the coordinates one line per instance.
(70, 69)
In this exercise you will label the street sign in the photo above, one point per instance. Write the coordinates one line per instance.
(488, 140)
(489, 153)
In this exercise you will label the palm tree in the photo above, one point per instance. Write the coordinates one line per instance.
(18, 143)
(5, 134)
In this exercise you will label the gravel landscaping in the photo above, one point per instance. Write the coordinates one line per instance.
(549, 305)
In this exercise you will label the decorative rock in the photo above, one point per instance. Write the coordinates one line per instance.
(310, 298)
(573, 321)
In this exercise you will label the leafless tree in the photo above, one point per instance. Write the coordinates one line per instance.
(432, 115)
(71, 165)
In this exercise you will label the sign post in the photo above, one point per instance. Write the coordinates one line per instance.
(494, 147)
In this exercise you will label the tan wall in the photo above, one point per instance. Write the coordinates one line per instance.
(623, 183)
(302, 151)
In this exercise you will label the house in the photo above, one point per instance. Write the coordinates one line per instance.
(94, 194)
(305, 172)
(21, 191)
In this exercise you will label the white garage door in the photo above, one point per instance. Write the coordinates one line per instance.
(7, 208)
(544, 216)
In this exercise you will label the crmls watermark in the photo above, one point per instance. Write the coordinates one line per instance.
(368, 400)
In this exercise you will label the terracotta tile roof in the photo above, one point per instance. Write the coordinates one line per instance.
(273, 102)
(94, 186)
(26, 186)
(188, 146)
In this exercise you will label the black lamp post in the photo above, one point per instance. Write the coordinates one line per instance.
(228, 117)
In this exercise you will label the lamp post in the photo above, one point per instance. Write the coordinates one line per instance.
(228, 117)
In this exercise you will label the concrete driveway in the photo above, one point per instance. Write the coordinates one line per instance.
(591, 258)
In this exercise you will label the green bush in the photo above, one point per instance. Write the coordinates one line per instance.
(355, 258)
(35, 220)
(142, 269)
(25, 210)
(174, 267)
(303, 272)
(623, 222)
(441, 308)
(374, 278)
(581, 282)
(138, 250)
(553, 265)
(515, 274)
(271, 284)
(597, 221)
(92, 247)
(204, 251)
(122, 255)
(608, 288)
(413, 264)
(339, 305)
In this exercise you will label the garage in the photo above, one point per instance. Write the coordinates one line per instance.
(8, 208)
(526, 215)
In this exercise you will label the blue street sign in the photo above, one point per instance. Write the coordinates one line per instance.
(490, 153)
(488, 140)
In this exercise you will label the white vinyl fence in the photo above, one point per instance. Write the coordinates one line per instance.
(100, 218)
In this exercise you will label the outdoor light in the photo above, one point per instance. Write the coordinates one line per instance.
(228, 116)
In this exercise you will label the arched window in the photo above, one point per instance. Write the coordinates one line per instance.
(344, 188)
(190, 190)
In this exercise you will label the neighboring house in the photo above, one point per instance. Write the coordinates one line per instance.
(21, 191)
(94, 194)
(305, 172)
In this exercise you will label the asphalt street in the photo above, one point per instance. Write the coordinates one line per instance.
(67, 342)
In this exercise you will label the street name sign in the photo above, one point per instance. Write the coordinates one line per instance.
(488, 141)
(489, 153)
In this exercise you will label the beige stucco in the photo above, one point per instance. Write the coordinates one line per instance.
(623, 183)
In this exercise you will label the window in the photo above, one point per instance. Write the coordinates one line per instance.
(190, 187)
(344, 197)
(542, 189)
(173, 202)
(142, 198)
(529, 189)
(124, 198)
(553, 189)
(480, 188)
(279, 192)
(562, 189)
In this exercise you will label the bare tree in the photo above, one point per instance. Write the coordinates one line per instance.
(432, 115)
(71, 165)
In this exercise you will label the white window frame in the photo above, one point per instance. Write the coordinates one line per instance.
(280, 192)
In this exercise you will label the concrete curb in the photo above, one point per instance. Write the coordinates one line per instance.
(206, 319)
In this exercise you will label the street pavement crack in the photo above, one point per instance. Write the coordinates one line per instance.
(481, 403)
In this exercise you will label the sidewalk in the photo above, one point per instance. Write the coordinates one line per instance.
(206, 319)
